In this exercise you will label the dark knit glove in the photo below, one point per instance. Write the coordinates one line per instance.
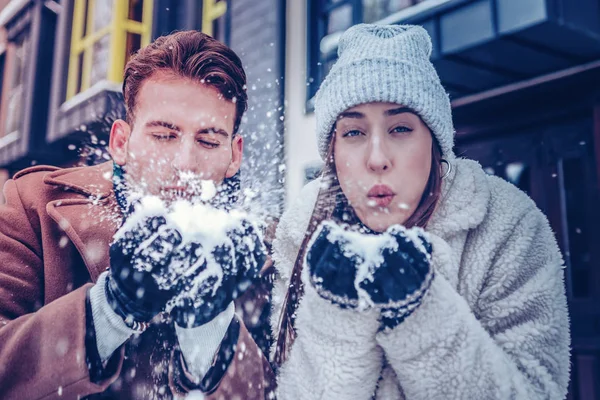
(141, 250)
(389, 271)
(399, 282)
(219, 277)
(332, 265)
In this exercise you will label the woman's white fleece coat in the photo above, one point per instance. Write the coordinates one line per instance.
(494, 324)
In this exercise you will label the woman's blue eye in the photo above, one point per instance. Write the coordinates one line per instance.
(352, 133)
(401, 129)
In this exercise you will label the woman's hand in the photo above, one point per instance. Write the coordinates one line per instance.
(399, 282)
(332, 265)
(390, 271)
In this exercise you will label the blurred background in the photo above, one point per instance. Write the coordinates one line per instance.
(523, 75)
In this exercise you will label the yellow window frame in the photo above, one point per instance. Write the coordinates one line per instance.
(83, 42)
(212, 10)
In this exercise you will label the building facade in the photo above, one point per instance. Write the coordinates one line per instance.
(523, 75)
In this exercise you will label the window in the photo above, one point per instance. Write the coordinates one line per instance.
(16, 86)
(519, 174)
(214, 13)
(212, 17)
(375, 10)
(312, 172)
(328, 19)
(104, 35)
(578, 254)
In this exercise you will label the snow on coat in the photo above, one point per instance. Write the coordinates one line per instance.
(494, 324)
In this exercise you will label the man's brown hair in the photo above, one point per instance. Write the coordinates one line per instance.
(189, 54)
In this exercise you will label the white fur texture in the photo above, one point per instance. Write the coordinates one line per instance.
(494, 324)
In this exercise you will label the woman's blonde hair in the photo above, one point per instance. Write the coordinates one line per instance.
(332, 204)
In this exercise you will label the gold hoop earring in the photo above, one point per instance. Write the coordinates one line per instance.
(448, 170)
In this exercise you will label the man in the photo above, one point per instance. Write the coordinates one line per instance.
(81, 312)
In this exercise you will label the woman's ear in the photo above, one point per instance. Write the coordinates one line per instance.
(117, 144)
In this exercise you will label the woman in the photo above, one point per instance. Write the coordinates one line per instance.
(405, 272)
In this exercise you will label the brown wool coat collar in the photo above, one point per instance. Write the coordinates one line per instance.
(78, 215)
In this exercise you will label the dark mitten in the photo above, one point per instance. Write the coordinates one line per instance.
(400, 280)
(136, 254)
(332, 265)
(219, 277)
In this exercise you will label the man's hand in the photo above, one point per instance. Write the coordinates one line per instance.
(139, 252)
(219, 277)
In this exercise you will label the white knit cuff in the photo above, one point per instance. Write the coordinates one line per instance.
(331, 320)
(200, 344)
(335, 355)
(111, 331)
(441, 304)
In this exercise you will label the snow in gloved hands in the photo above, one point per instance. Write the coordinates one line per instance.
(214, 256)
(388, 270)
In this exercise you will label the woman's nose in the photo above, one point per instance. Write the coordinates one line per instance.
(378, 159)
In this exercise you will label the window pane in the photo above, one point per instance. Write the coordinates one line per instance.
(578, 232)
(339, 19)
(19, 63)
(397, 5)
(327, 66)
(312, 172)
(219, 26)
(14, 109)
(136, 8)
(102, 14)
(86, 6)
(518, 174)
(101, 58)
(133, 44)
(374, 10)
(80, 69)
(489, 171)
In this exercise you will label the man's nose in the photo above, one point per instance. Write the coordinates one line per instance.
(185, 158)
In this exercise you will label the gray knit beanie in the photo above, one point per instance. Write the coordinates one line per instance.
(385, 64)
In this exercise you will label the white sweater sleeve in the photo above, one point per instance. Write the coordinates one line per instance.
(334, 356)
(200, 344)
(111, 331)
(513, 345)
